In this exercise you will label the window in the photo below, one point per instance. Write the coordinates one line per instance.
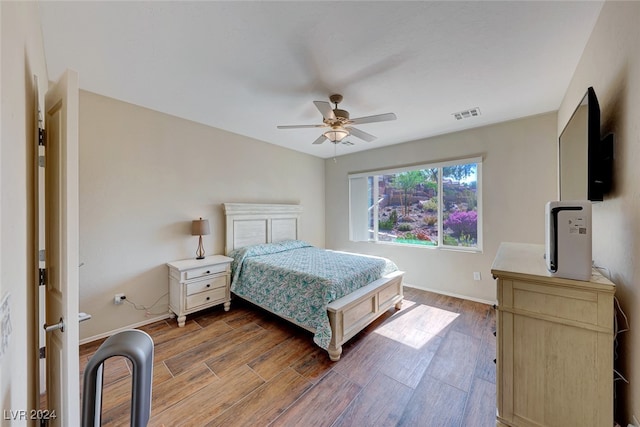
(436, 205)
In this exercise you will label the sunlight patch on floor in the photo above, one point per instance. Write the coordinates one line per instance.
(416, 324)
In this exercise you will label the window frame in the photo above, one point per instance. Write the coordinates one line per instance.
(353, 235)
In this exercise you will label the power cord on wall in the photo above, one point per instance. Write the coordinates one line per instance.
(618, 331)
(616, 328)
(146, 309)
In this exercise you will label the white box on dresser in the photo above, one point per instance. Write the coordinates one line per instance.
(554, 351)
(196, 284)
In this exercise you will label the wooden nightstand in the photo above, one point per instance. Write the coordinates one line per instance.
(196, 284)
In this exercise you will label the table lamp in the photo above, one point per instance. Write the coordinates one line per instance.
(200, 227)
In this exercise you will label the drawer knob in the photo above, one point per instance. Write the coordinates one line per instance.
(208, 285)
(207, 272)
(208, 298)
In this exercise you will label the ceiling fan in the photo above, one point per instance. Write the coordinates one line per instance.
(340, 124)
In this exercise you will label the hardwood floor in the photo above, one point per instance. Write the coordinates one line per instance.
(429, 364)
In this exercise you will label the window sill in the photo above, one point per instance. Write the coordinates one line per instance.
(428, 247)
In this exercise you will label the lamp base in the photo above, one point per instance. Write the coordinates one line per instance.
(200, 251)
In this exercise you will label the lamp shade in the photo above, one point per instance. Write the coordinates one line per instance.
(200, 227)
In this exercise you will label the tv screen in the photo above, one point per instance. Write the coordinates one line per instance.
(581, 155)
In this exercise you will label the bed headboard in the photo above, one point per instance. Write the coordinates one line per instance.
(252, 224)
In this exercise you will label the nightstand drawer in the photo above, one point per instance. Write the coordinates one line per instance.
(206, 284)
(204, 298)
(204, 271)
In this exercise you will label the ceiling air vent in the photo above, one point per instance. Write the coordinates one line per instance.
(473, 112)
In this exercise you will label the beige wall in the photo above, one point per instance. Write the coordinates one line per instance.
(519, 177)
(22, 55)
(611, 64)
(144, 176)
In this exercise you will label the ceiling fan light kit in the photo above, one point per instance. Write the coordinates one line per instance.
(336, 135)
(340, 123)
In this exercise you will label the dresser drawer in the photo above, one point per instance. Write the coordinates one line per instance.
(213, 296)
(206, 285)
(555, 301)
(205, 271)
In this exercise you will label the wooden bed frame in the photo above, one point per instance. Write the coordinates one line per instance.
(250, 224)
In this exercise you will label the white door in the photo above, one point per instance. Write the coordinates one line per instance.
(61, 249)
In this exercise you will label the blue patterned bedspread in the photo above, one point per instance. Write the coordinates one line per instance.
(296, 280)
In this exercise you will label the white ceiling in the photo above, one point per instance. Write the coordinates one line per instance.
(248, 66)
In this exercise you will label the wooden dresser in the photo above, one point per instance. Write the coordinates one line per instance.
(554, 343)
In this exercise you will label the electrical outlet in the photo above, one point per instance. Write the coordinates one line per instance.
(117, 299)
(476, 275)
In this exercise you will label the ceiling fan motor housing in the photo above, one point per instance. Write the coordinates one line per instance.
(341, 114)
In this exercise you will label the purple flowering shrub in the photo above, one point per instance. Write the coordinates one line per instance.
(463, 223)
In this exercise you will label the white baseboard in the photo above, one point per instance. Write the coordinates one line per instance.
(124, 328)
(451, 294)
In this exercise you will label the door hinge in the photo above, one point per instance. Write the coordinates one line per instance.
(42, 135)
(43, 352)
(41, 161)
(41, 255)
(42, 276)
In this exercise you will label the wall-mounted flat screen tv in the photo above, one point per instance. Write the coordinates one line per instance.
(585, 160)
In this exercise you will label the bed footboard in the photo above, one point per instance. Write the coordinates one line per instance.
(352, 313)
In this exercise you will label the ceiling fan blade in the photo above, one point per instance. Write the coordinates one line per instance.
(301, 126)
(320, 139)
(371, 119)
(361, 134)
(325, 109)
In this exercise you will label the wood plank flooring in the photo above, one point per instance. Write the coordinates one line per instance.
(428, 364)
